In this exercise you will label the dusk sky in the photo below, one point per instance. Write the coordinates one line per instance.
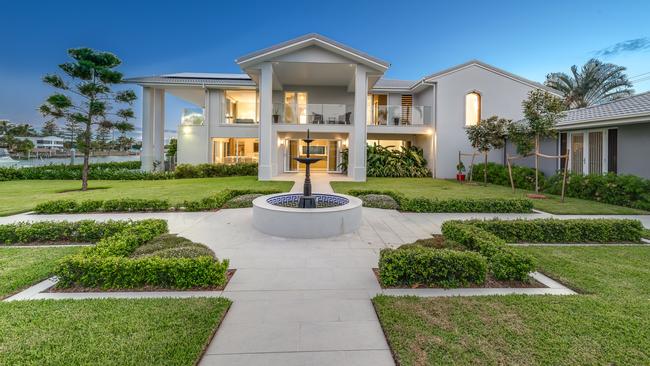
(530, 39)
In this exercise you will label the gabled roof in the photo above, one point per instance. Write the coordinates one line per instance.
(491, 68)
(309, 40)
(631, 109)
(394, 84)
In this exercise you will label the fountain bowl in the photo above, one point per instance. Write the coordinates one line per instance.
(278, 215)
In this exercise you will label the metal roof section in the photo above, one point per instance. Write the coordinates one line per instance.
(491, 68)
(632, 109)
(194, 79)
(309, 40)
(394, 84)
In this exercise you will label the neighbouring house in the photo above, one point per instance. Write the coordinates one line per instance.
(44, 143)
(340, 95)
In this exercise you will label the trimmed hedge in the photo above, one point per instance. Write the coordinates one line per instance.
(621, 190)
(432, 267)
(86, 231)
(115, 205)
(504, 262)
(129, 170)
(422, 204)
(524, 177)
(213, 202)
(107, 265)
(563, 231)
(379, 201)
(615, 189)
(215, 170)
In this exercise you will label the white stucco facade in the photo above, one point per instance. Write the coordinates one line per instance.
(338, 94)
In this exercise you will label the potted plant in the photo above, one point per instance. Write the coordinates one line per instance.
(276, 113)
(460, 168)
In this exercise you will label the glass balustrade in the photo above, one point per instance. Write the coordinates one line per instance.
(296, 113)
(397, 115)
(192, 117)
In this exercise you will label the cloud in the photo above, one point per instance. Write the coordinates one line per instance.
(631, 45)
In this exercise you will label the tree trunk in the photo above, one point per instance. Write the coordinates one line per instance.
(84, 171)
(537, 164)
(485, 167)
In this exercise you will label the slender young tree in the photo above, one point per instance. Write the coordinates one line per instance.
(85, 96)
(541, 111)
(487, 135)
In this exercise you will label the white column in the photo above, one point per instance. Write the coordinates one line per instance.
(214, 116)
(159, 128)
(267, 144)
(357, 140)
(146, 154)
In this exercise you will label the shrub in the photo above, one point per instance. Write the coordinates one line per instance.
(524, 177)
(215, 170)
(129, 170)
(622, 190)
(432, 267)
(86, 231)
(405, 162)
(219, 200)
(123, 204)
(121, 272)
(563, 231)
(245, 200)
(107, 265)
(422, 204)
(504, 262)
(379, 201)
(171, 246)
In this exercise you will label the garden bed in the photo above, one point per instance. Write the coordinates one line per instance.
(128, 255)
(490, 282)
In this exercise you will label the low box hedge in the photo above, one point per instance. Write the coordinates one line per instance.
(432, 267)
(563, 231)
(107, 264)
(85, 231)
(215, 170)
(422, 204)
(213, 202)
(503, 262)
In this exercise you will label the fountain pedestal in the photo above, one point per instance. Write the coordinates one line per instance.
(307, 200)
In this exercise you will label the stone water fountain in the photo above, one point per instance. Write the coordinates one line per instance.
(306, 215)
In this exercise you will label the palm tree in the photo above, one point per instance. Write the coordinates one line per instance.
(596, 82)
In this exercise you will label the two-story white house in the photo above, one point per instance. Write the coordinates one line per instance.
(340, 95)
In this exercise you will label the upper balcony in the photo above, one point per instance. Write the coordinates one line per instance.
(398, 115)
(318, 114)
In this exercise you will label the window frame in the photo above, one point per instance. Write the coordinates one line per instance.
(480, 107)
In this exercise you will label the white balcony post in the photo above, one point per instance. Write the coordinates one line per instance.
(266, 144)
(357, 141)
(159, 128)
(146, 155)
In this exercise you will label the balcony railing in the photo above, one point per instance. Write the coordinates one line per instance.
(397, 115)
(332, 114)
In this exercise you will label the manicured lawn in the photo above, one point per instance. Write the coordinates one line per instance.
(108, 332)
(607, 325)
(441, 189)
(21, 196)
(22, 267)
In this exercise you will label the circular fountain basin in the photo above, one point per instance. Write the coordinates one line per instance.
(278, 215)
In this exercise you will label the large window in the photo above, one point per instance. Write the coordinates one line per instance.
(241, 106)
(233, 150)
(472, 108)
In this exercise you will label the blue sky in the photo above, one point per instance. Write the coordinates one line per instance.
(527, 38)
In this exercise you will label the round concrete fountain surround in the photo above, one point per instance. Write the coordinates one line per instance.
(272, 217)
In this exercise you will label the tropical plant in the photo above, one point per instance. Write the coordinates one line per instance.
(389, 162)
(487, 135)
(541, 111)
(86, 97)
(596, 82)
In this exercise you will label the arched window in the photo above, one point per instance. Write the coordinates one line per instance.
(472, 108)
